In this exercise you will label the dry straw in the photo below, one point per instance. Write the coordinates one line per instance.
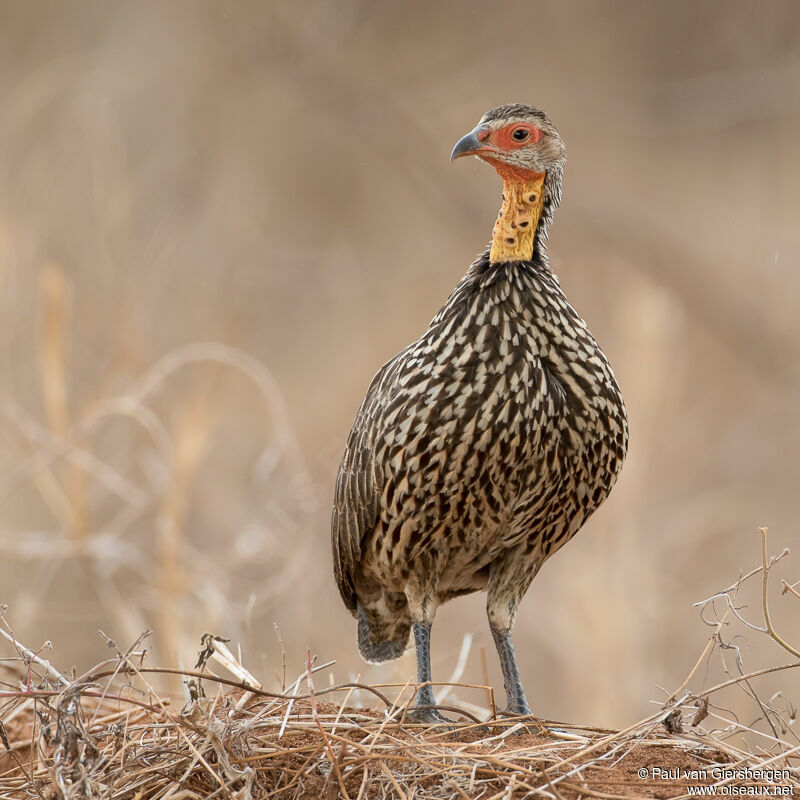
(108, 733)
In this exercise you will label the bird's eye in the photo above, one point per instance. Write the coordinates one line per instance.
(520, 134)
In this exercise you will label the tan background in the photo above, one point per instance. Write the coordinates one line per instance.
(257, 177)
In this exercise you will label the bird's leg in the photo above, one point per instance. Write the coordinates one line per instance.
(516, 701)
(422, 641)
(421, 596)
(422, 711)
(509, 579)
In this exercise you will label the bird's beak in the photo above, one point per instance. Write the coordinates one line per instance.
(472, 144)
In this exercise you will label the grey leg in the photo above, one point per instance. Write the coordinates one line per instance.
(516, 701)
(422, 640)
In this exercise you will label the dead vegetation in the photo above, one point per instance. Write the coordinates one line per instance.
(110, 733)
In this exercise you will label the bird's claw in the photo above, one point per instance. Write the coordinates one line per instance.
(428, 716)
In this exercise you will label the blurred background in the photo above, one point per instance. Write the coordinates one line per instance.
(218, 220)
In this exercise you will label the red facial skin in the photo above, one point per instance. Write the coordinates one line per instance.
(502, 140)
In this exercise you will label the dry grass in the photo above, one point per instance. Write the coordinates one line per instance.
(125, 527)
(109, 733)
(98, 737)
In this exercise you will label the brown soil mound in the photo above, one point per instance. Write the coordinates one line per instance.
(257, 745)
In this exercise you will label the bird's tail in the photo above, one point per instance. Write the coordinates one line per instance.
(382, 638)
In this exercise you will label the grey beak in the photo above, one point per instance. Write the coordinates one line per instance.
(466, 146)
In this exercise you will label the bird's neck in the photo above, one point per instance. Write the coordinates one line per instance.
(514, 234)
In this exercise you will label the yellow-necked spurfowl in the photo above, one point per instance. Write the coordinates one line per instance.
(482, 447)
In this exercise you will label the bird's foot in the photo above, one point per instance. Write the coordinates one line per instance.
(526, 723)
(425, 715)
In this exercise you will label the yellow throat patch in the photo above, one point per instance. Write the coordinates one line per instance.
(515, 229)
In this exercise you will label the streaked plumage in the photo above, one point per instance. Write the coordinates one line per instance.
(482, 447)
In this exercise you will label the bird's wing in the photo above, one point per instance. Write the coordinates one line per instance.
(361, 479)
(359, 484)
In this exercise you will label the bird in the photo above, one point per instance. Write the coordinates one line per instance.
(482, 447)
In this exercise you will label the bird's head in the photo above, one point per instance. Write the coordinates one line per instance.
(523, 145)
(514, 138)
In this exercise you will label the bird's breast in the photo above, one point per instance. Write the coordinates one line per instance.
(502, 416)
